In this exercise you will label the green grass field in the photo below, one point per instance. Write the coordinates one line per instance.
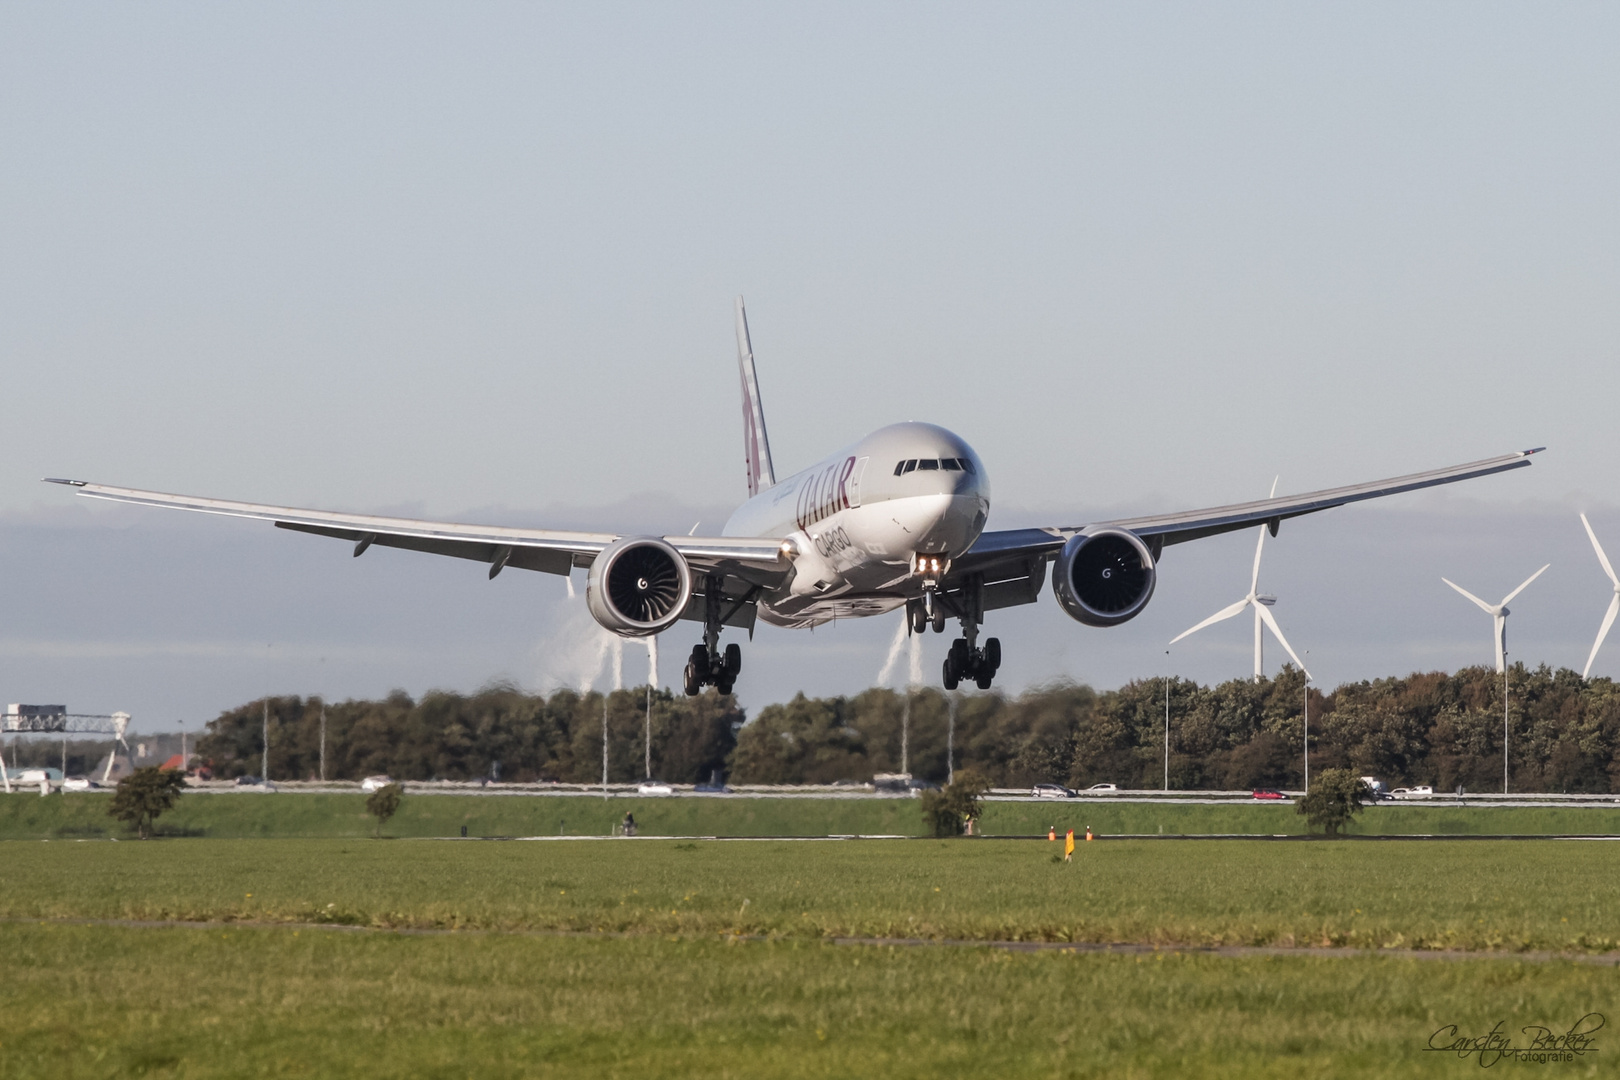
(90, 1001)
(622, 958)
(1503, 895)
(715, 958)
(288, 814)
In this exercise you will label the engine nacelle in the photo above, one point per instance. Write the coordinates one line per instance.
(638, 586)
(1104, 578)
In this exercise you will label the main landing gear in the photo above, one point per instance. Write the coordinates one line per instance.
(966, 662)
(708, 665)
(966, 659)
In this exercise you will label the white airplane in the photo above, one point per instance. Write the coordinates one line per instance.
(896, 519)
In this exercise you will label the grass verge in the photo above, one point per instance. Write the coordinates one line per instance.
(287, 814)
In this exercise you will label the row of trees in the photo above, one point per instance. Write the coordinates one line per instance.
(1434, 728)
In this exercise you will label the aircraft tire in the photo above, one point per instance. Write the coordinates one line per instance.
(690, 683)
(733, 661)
(950, 675)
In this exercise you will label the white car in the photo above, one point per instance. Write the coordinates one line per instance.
(79, 783)
(372, 783)
(1102, 789)
(1422, 792)
(654, 787)
(1051, 791)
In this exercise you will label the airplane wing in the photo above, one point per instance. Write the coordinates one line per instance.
(755, 562)
(1019, 555)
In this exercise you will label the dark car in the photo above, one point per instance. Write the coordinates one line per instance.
(1267, 793)
(712, 789)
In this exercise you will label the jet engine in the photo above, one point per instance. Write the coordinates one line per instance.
(638, 586)
(1104, 578)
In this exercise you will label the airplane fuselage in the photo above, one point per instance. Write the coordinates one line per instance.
(860, 519)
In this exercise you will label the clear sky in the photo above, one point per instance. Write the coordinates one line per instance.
(479, 260)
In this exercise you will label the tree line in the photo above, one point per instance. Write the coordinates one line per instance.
(1429, 728)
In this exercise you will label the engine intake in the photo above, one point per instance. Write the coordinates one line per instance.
(1104, 578)
(638, 586)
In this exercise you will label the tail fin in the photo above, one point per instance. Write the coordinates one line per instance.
(756, 444)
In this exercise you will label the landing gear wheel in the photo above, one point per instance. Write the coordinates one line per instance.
(690, 682)
(984, 679)
(992, 654)
(723, 686)
(919, 619)
(950, 674)
(939, 620)
(732, 665)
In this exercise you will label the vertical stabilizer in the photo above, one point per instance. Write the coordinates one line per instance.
(756, 445)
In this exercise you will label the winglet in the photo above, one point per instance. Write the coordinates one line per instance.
(756, 445)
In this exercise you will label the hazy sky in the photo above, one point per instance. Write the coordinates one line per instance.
(480, 259)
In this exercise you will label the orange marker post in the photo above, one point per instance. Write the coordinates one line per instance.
(1088, 834)
(1051, 832)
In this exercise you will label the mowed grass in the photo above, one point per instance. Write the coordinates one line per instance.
(1475, 895)
(300, 814)
(99, 1001)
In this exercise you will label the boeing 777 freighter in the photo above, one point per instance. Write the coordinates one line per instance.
(896, 519)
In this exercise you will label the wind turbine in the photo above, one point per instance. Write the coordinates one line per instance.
(1614, 605)
(1500, 613)
(1262, 611)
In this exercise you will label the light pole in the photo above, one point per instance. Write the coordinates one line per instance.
(1167, 719)
(264, 756)
(323, 742)
(1306, 713)
(950, 741)
(1504, 722)
(905, 733)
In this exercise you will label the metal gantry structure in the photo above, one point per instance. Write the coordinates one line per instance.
(20, 720)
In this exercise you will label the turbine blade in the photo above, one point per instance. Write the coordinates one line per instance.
(1224, 613)
(1603, 631)
(1259, 546)
(1276, 632)
(1521, 588)
(1274, 480)
(1602, 558)
(1483, 606)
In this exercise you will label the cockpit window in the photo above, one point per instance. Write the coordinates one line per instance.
(967, 466)
(909, 465)
(928, 463)
(949, 463)
(898, 466)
